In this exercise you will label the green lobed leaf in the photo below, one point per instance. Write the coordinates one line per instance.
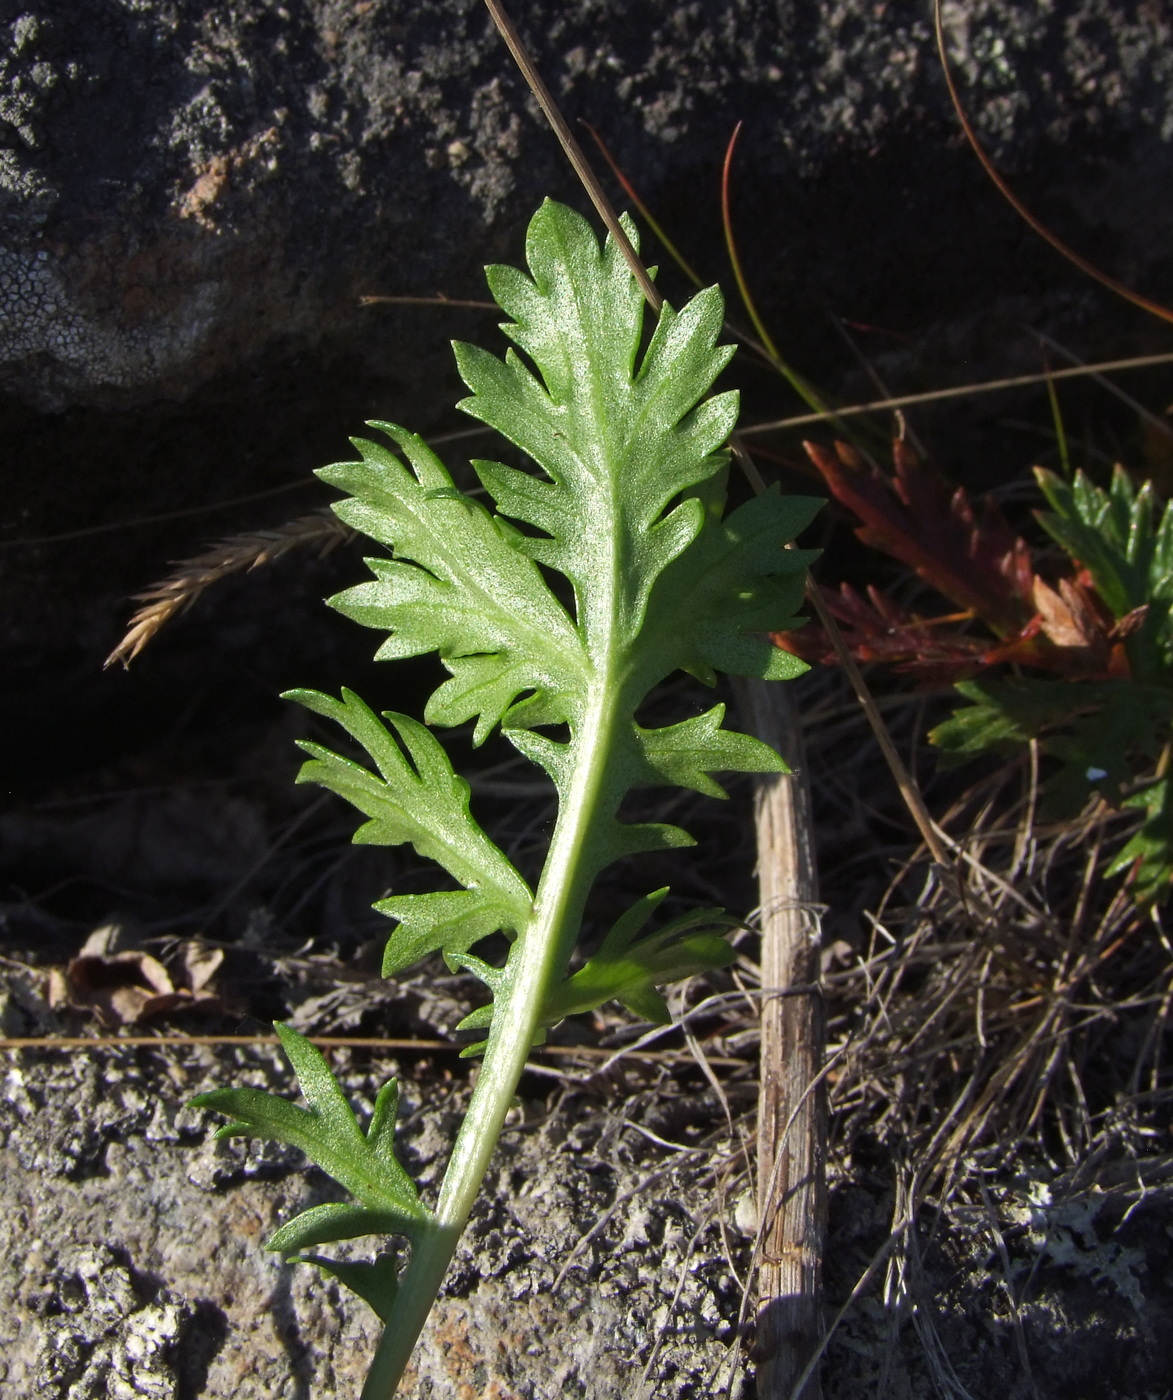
(618, 442)
(1094, 734)
(458, 585)
(336, 1221)
(710, 609)
(627, 503)
(682, 948)
(1150, 850)
(495, 979)
(631, 922)
(1097, 528)
(615, 840)
(686, 753)
(450, 920)
(329, 1135)
(418, 798)
(1003, 716)
(1117, 537)
(626, 968)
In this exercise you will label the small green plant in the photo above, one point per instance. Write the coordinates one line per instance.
(1109, 733)
(629, 509)
(1092, 653)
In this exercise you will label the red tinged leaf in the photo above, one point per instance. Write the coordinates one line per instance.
(1064, 638)
(977, 562)
(877, 629)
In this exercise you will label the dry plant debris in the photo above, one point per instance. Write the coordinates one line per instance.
(123, 985)
(320, 530)
(999, 1071)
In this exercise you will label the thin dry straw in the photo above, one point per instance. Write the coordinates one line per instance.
(1154, 307)
(336, 1042)
(1152, 419)
(792, 377)
(633, 194)
(165, 517)
(648, 217)
(961, 391)
(936, 1013)
(162, 519)
(574, 151)
(439, 300)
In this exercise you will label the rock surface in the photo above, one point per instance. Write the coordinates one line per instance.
(135, 1267)
(186, 187)
(142, 1271)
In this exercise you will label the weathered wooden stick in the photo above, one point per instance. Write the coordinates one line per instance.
(791, 1102)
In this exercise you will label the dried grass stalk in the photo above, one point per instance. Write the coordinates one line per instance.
(321, 530)
(791, 1102)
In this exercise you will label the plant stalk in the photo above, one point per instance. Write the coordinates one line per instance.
(536, 963)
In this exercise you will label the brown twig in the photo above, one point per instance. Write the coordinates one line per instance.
(791, 1099)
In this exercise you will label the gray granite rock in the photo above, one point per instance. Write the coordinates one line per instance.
(134, 1262)
(185, 187)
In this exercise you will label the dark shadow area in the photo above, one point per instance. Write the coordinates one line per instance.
(203, 1338)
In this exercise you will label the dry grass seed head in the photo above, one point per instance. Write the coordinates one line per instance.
(321, 531)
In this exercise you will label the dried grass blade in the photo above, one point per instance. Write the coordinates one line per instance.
(645, 213)
(792, 377)
(574, 152)
(1017, 381)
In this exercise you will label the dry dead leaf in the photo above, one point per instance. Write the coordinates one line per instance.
(1066, 619)
(123, 987)
(198, 964)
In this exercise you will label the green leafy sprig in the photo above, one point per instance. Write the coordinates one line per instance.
(1105, 734)
(628, 506)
